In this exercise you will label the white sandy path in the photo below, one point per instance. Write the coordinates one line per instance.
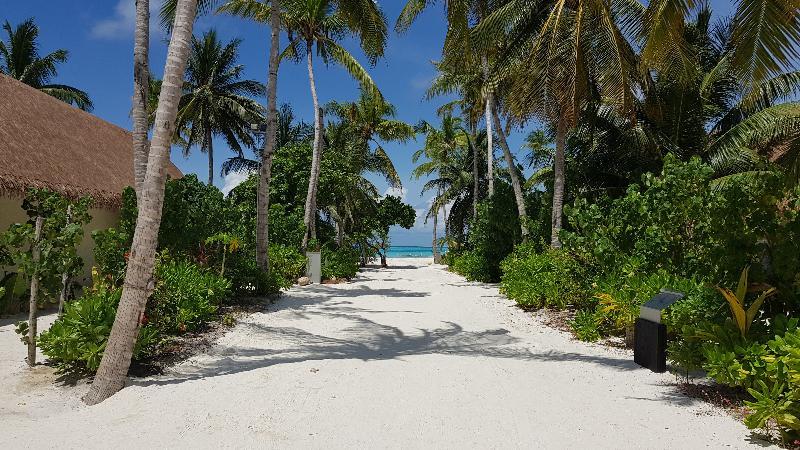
(408, 357)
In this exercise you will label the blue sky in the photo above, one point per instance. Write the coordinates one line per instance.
(99, 37)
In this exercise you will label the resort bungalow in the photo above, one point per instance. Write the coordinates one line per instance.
(46, 143)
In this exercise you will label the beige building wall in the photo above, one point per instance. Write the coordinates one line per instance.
(11, 212)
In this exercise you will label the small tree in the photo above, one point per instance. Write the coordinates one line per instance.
(45, 248)
(392, 211)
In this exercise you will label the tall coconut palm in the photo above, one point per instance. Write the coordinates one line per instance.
(138, 283)
(20, 59)
(577, 51)
(459, 52)
(468, 83)
(288, 132)
(370, 120)
(217, 102)
(266, 11)
(318, 25)
(764, 38)
(141, 93)
(444, 151)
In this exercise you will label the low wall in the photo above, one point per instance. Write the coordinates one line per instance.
(11, 212)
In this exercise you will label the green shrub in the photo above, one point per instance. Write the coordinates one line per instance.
(186, 295)
(473, 265)
(678, 222)
(287, 262)
(341, 263)
(776, 395)
(76, 341)
(492, 237)
(553, 279)
(110, 253)
(585, 326)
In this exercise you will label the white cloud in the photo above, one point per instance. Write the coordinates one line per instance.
(123, 22)
(397, 192)
(232, 180)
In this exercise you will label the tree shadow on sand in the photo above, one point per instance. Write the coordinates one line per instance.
(362, 339)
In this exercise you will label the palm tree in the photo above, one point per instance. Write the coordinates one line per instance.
(357, 137)
(20, 59)
(461, 55)
(258, 11)
(217, 101)
(141, 93)
(319, 24)
(444, 151)
(371, 121)
(138, 284)
(288, 132)
(468, 83)
(564, 53)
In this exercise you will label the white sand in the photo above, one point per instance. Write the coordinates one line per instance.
(408, 357)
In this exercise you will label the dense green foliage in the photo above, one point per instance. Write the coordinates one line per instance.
(552, 279)
(76, 341)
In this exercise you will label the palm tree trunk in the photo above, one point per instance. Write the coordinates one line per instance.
(139, 282)
(36, 252)
(209, 147)
(436, 256)
(141, 93)
(558, 183)
(512, 170)
(489, 144)
(265, 174)
(489, 134)
(310, 212)
(318, 167)
(475, 179)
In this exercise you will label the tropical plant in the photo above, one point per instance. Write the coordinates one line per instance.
(736, 301)
(228, 243)
(216, 101)
(20, 59)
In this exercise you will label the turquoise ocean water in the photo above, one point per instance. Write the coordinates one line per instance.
(408, 251)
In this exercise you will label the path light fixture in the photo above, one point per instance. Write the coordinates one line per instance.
(314, 267)
(650, 338)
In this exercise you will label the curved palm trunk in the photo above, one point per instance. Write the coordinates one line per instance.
(265, 173)
(310, 212)
(209, 147)
(515, 181)
(558, 183)
(139, 282)
(141, 93)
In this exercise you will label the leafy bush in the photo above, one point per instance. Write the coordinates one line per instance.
(76, 341)
(776, 395)
(472, 265)
(552, 279)
(678, 222)
(341, 263)
(186, 295)
(110, 250)
(585, 326)
(492, 237)
(287, 262)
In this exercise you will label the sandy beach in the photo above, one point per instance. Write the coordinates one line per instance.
(406, 357)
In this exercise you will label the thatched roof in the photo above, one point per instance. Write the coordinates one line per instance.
(46, 143)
